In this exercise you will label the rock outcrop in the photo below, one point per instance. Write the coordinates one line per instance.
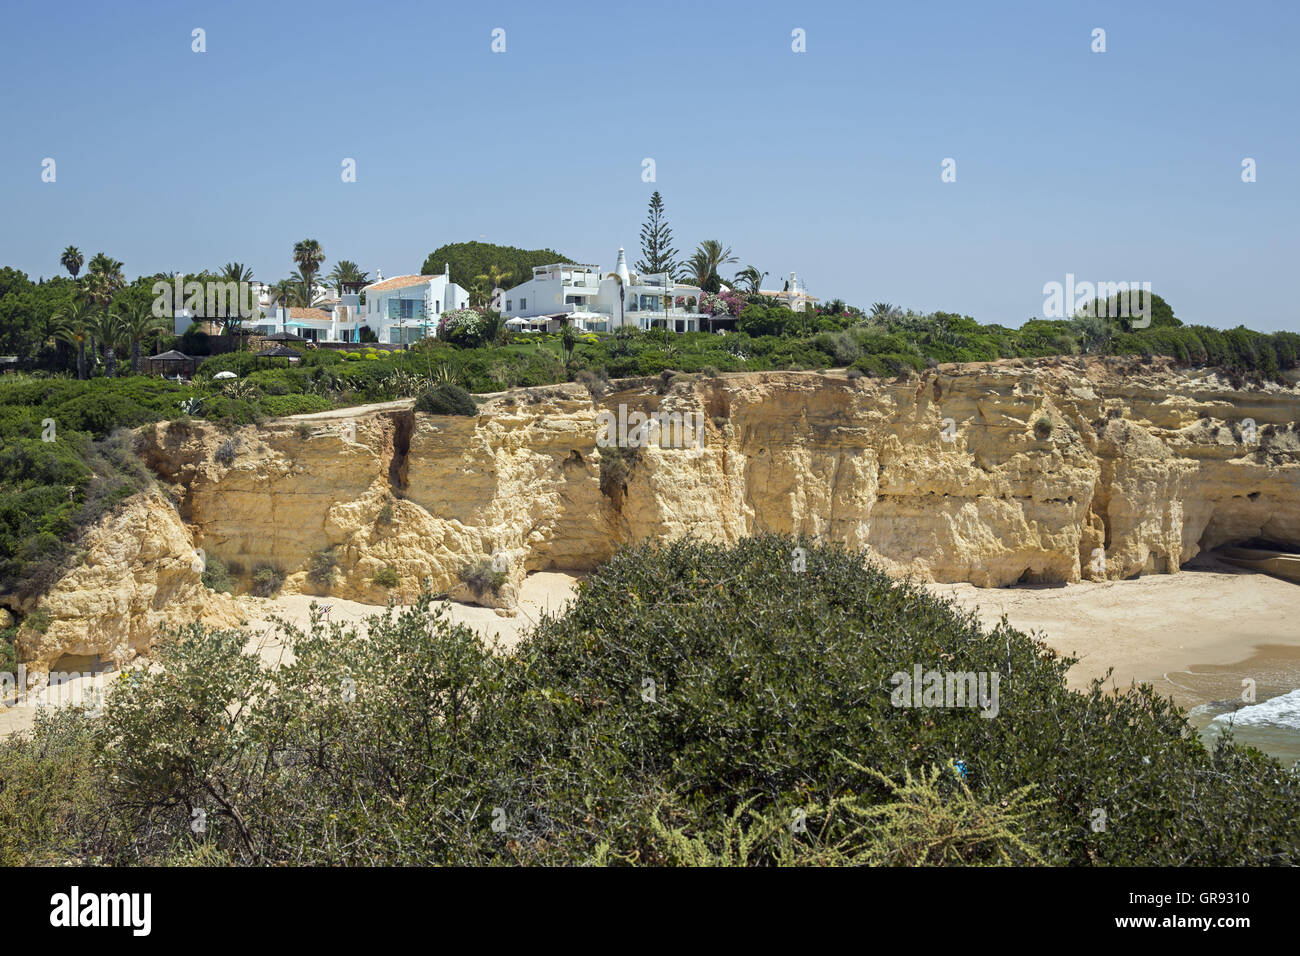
(997, 473)
(137, 569)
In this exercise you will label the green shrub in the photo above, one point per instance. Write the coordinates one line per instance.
(446, 399)
(482, 578)
(8, 652)
(1043, 428)
(689, 705)
(266, 581)
(386, 577)
(806, 703)
(278, 406)
(322, 567)
(51, 801)
(38, 620)
(216, 576)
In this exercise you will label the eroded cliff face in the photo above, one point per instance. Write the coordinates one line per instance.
(993, 474)
(137, 570)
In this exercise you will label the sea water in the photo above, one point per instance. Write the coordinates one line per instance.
(1258, 699)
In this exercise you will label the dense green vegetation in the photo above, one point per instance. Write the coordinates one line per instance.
(65, 459)
(696, 704)
(480, 266)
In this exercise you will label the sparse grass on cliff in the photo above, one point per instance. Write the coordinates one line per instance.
(695, 704)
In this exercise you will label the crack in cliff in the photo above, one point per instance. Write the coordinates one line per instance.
(403, 426)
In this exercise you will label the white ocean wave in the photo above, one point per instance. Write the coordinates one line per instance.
(1282, 711)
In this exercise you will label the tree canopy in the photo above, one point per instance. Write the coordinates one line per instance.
(469, 260)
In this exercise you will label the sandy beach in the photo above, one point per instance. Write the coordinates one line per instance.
(544, 592)
(1193, 634)
(1153, 628)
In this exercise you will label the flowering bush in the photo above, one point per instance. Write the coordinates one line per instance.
(462, 326)
(712, 303)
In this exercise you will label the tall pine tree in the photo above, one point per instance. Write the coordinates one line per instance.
(658, 254)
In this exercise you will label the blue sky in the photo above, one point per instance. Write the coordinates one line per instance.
(1117, 166)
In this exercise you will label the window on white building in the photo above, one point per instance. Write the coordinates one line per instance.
(523, 304)
(509, 306)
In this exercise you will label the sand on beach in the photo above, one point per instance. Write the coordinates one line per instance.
(1188, 633)
(543, 592)
(1151, 629)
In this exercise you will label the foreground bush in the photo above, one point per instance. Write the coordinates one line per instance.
(446, 399)
(696, 704)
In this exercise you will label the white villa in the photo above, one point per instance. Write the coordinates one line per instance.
(405, 308)
(398, 310)
(794, 295)
(567, 291)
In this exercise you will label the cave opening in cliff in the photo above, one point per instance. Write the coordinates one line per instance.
(403, 426)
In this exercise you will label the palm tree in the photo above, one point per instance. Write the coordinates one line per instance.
(238, 273)
(304, 289)
(622, 296)
(106, 331)
(706, 259)
(72, 325)
(752, 276)
(494, 278)
(568, 339)
(286, 292)
(347, 275)
(308, 256)
(139, 325)
(103, 281)
(883, 310)
(480, 292)
(72, 260)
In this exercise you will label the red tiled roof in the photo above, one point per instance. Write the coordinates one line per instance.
(398, 282)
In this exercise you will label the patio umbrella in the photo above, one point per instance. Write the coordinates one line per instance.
(221, 375)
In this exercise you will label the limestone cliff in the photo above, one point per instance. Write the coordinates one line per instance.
(992, 473)
(137, 569)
